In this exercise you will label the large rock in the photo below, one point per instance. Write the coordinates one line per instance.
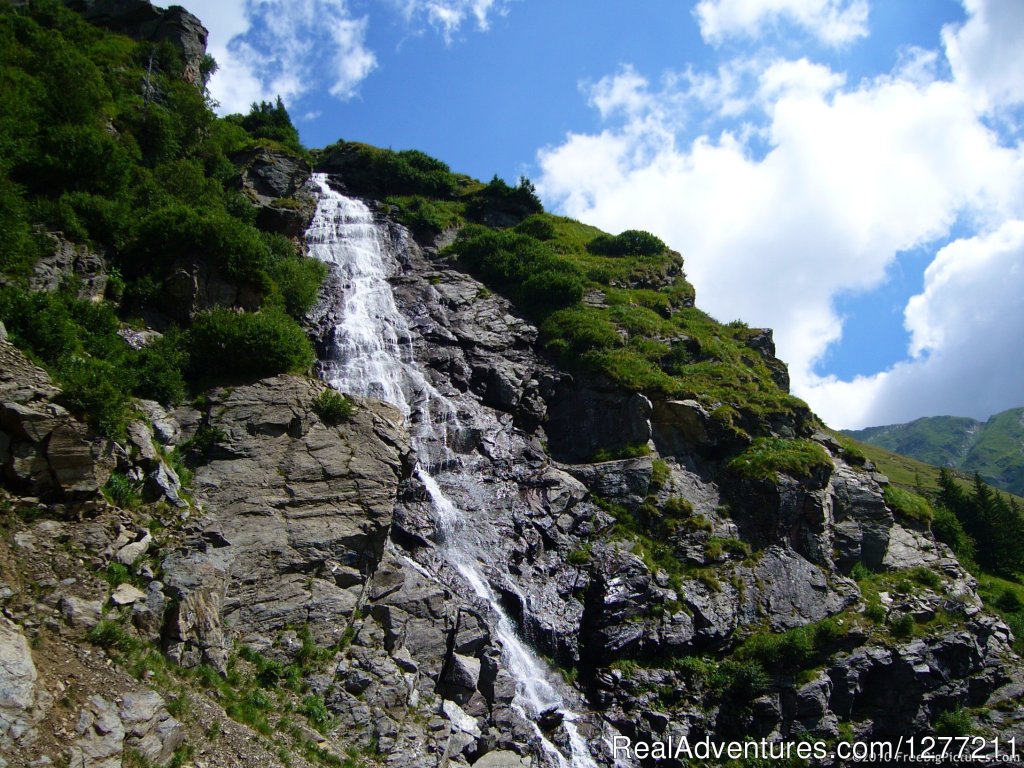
(275, 181)
(586, 417)
(99, 735)
(149, 728)
(291, 502)
(18, 687)
(195, 286)
(43, 450)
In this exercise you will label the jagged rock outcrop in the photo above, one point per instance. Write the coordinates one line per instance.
(70, 261)
(275, 182)
(142, 20)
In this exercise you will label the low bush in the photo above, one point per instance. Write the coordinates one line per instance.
(537, 225)
(793, 650)
(954, 722)
(122, 492)
(248, 344)
(632, 242)
(93, 388)
(660, 474)
(522, 266)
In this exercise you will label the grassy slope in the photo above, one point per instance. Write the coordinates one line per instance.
(939, 440)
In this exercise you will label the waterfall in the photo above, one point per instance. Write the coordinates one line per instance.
(373, 357)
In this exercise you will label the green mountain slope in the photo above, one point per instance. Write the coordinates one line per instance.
(994, 449)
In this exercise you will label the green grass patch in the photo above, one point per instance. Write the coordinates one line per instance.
(908, 504)
(333, 407)
(768, 456)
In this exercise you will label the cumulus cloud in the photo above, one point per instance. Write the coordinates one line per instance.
(965, 328)
(986, 54)
(289, 48)
(852, 176)
(449, 16)
(833, 22)
(270, 48)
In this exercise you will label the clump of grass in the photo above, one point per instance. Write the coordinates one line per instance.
(111, 635)
(908, 504)
(579, 556)
(333, 407)
(660, 474)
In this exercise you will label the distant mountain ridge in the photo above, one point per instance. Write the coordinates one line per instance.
(993, 448)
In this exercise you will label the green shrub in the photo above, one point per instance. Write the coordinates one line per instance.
(111, 635)
(902, 626)
(926, 577)
(248, 344)
(93, 388)
(1009, 600)
(875, 611)
(498, 197)
(740, 681)
(580, 329)
(677, 507)
(770, 455)
(425, 218)
(633, 451)
(521, 265)
(948, 529)
(954, 722)
(579, 556)
(537, 225)
(333, 407)
(793, 650)
(908, 504)
(176, 231)
(270, 121)
(315, 709)
(632, 242)
(116, 574)
(203, 441)
(296, 280)
(715, 547)
(383, 172)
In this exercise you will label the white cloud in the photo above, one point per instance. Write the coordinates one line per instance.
(833, 22)
(966, 327)
(269, 48)
(986, 53)
(852, 176)
(449, 16)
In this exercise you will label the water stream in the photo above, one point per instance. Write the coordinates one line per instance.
(373, 357)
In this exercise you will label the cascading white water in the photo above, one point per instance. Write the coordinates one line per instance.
(373, 357)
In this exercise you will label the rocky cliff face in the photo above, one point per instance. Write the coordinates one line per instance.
(264, 584)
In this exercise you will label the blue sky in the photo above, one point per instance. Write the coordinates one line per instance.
(847, 172)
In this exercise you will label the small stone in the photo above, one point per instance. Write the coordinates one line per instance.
(126, 594)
